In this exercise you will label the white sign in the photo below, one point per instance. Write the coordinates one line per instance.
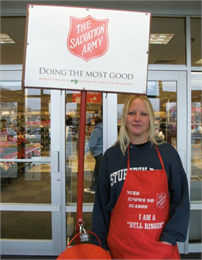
(86, 49)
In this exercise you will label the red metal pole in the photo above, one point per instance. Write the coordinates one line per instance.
(79, 218)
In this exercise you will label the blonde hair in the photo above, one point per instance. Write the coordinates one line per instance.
(123, 137)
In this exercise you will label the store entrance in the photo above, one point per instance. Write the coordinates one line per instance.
(43, 197)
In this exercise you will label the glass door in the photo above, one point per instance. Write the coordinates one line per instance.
(170, 105)
(30, 171)
(195, 234)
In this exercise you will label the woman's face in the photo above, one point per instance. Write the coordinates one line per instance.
(137, 121)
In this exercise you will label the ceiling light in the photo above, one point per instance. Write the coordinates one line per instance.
(6, 39)
(159, 38)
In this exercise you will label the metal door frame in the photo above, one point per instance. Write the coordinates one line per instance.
(182, 123)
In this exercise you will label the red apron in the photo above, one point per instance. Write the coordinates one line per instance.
(140, 215)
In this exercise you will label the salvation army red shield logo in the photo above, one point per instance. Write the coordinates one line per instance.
(88, 37)
(161, 200)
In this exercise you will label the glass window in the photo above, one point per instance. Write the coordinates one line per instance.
(93, 114)
(24, 134)
(15, 28)
(196, 57)
(174, 51)
(196, 155)
(195, 226)
(25, 225)
(196, 140)
(162, 95)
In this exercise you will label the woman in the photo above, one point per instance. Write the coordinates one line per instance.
(141, 205)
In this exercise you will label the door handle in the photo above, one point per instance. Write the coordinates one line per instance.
(55, 161)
